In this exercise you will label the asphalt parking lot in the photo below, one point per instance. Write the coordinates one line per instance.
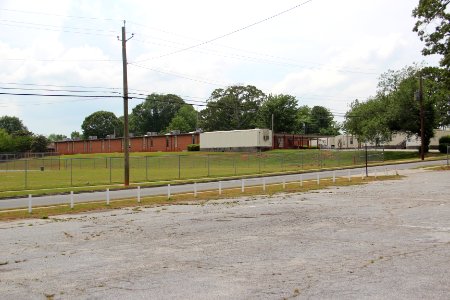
(388, 239)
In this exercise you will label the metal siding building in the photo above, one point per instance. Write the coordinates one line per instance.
(236, 140)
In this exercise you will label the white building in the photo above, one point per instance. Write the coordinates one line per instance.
(236, 140)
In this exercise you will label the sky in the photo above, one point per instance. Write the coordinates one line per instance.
(323, 52)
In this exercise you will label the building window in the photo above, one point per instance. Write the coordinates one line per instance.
(351, 141)
(193, 139)
(167, 141)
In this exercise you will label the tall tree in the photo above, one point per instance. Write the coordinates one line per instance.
(303, 119)
(368, 121)
(284, 111)
(233, 108)
(433, 27)
(155, 113)
(394, 108)
(322, 122)
(39, 143)
(100, 124)
(6, 141)
(185, 119)
(54, 137)
(75, 135)
(13, 125)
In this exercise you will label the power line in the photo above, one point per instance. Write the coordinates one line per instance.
(57, 15)
(232, 32)
(60, 95)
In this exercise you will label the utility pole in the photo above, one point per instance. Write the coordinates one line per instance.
(125, 107)
(422, 121)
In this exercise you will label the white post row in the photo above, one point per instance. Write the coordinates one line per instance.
(107, 196)
(168, 191)
(71, 200)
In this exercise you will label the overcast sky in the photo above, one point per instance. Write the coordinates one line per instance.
(324, 52)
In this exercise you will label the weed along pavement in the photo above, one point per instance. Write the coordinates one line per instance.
(384, 240)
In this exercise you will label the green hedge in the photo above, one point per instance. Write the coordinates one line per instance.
(193, 147)
(444, 142)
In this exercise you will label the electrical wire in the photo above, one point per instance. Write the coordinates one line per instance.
(232, 32)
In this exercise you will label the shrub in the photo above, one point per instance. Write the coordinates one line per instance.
(444, 142)
(193, 147)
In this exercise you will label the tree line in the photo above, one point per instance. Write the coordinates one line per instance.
(233, 108)
(15, 137)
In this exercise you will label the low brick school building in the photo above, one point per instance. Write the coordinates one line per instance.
(147, 143)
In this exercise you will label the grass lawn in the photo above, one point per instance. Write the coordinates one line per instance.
(97, 171)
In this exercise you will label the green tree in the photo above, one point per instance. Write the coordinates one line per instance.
(6, 141)
(368, 121)
(39, 143)
(303, 119)
(185, 119)
(233, 108)
(100, 124)
(155, 113)
(322, 122)
(395, 108)
(437, 90)
(13, 125)
(75, 135)
(54, 137)
(433, 27)
(284, 111)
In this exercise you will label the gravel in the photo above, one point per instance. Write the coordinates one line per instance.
(387, 239)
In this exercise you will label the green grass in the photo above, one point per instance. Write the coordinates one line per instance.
(98, 171)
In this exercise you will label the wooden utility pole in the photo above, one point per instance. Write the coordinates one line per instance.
(422, 121)
(126, 136)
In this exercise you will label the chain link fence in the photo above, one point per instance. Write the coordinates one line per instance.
(54, 172)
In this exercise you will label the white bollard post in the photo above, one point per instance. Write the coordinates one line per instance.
(195, 189)
(220, 187)
(301, 180)
(284, 183)
(318, 179)
(349, 176)
(375, 173)
(107, 196)
(29, 204)
(139, 194)
(71, 200)
(334, 176)
(264, 184)
(242, 186)
(362, 174)
(168, 191)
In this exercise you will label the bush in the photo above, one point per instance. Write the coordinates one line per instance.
(193, 147)
(444, 142)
